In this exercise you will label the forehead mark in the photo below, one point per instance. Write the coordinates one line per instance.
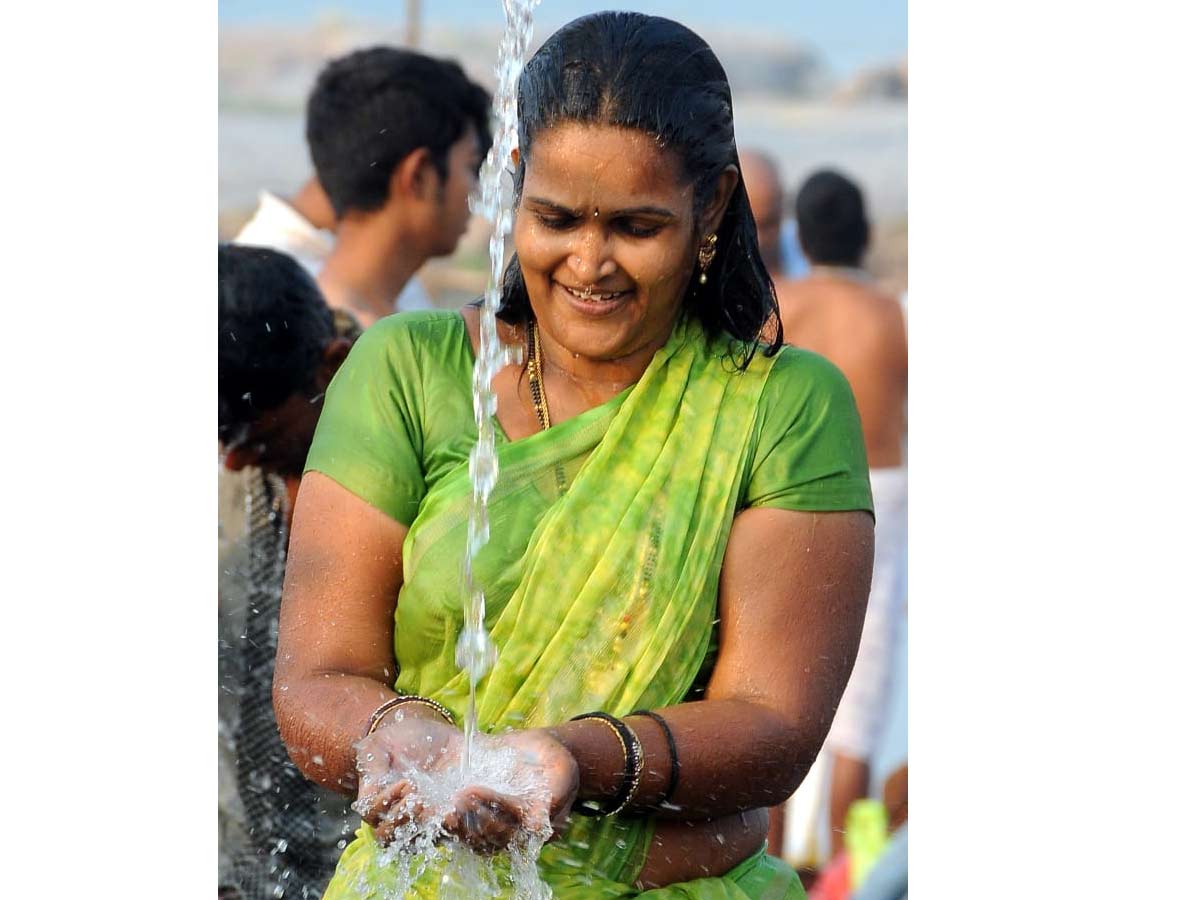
(592, 163)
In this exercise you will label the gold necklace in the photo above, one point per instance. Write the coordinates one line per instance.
(533, 367)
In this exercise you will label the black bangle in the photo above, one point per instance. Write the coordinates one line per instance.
(673, 782)
(634, 759)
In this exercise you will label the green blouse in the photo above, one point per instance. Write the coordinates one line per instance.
(398, 418)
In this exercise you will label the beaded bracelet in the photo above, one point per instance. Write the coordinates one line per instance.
(634, 760)
(389, 705)
(673, 782)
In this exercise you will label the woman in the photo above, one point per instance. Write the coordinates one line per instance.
(683, 513)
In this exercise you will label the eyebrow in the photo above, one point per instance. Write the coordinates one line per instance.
(628, 211)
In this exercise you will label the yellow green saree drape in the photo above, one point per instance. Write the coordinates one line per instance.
(602, 597)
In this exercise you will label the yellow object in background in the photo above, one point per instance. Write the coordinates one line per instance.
(866, 837)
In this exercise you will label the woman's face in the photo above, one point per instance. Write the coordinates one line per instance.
(606, 238)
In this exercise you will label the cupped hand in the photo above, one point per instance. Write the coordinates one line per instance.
(489, 819)
(404, 759)
(395, 763)
(540, 753)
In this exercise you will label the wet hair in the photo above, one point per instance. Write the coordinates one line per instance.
(274, 326)
(371, 108)
(831, 219)
(651, 74)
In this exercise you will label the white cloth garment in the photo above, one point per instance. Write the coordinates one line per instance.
(277, 225)
(871, 722)
(860, 717)
(891, 750)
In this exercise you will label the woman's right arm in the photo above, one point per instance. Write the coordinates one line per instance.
(335, 664)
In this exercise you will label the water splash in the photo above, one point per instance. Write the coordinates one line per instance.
(421, 840)
(476, 653)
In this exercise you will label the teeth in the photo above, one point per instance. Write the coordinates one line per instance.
(589, 295)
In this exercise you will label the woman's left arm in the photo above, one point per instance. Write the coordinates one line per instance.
(793, 593)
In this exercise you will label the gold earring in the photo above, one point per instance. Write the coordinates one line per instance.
(708, 250)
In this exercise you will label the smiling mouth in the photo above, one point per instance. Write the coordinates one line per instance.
(592, 295)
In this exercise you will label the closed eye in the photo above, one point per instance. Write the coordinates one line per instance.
(556, 222)
(638, 229)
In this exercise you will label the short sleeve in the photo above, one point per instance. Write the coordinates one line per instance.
(809, 454)
(369, 435)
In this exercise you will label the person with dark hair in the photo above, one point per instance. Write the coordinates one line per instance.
(776, 240)
(831, 217)
(839, 312)
(396, 139)
(278, 346)
(681, 530)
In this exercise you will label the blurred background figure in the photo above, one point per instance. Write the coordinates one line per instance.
(278, 346)
(827, 84)
(396, 139)
(301, 226)
(778, 245)
(839, 311)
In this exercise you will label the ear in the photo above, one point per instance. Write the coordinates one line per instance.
(332, 357)
(415, 176)
(714, 212)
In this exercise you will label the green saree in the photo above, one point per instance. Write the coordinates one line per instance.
(607, 537)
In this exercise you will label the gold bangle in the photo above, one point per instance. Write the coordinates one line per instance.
(387, 706)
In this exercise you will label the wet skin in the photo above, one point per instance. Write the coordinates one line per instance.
(604, 212)
(603, 209)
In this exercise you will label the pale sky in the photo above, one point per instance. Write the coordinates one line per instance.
(849, 34)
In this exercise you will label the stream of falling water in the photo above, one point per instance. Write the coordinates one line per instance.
(421, 839)
(476, 653)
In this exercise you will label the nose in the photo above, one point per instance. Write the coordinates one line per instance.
(592, 259)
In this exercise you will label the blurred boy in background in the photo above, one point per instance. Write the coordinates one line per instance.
(396, 139)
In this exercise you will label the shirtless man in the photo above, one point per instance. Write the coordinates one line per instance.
(765, 191)
(838, 312)
(776, 239)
